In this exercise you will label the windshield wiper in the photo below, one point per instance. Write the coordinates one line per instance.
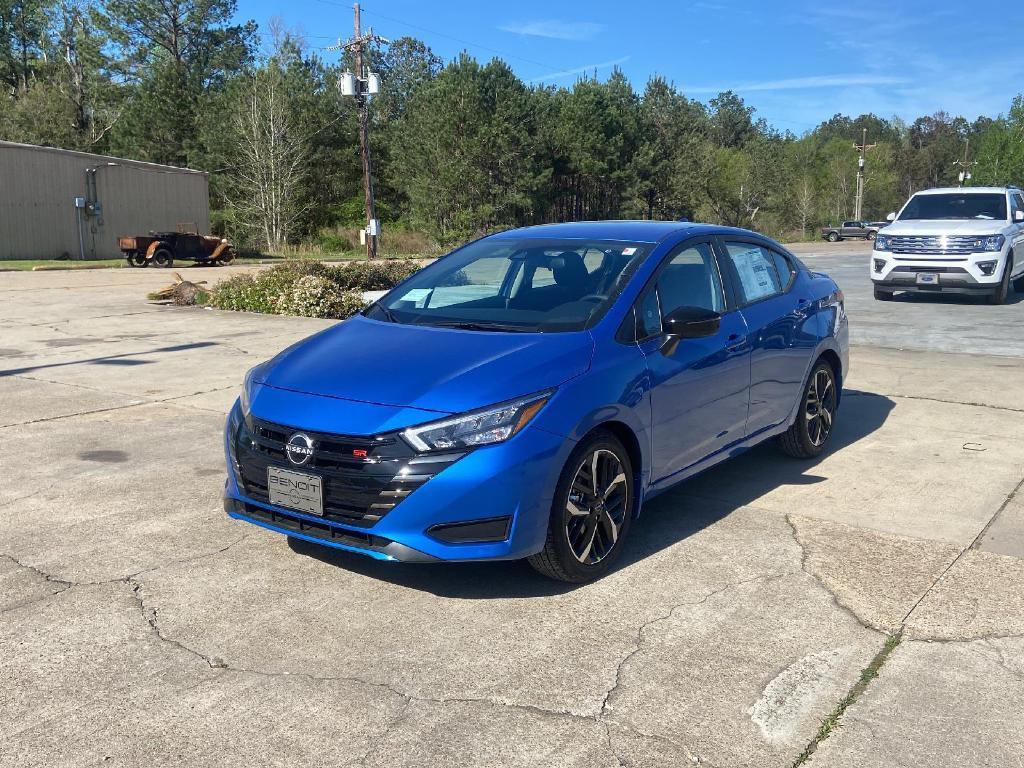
(388, 314)
(473, 326)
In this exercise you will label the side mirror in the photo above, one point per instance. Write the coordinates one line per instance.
(1018, 216)
(891, 216)
(688, 323)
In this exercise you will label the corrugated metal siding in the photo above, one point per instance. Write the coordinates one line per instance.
(38, 186)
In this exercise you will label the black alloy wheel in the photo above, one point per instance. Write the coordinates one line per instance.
(591, 512)
(810, 432)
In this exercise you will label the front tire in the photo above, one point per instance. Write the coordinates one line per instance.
(999, 295)
(808, 435)
(871, 235)
(591, 512)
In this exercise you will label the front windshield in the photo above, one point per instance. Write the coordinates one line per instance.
(500, 284)
(955, 205)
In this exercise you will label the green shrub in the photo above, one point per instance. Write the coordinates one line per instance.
(332, 242)
(309, 288)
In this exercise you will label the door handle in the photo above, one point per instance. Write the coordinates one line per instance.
(734, 342)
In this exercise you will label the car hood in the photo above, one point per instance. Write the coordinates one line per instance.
(945, 227)
(444, 370)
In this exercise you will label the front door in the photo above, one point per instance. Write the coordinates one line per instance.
(699, 391)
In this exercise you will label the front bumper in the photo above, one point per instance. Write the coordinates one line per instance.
(961, 274)
(503, 490)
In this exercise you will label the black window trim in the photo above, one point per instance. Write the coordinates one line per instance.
(730, 269)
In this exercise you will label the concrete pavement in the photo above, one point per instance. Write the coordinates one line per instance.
(140, 626)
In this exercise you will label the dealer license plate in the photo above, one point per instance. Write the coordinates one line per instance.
(927, 278)
(295, 490)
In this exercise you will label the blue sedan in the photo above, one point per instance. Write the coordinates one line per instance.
(523, 396)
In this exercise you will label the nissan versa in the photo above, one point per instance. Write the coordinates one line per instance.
(523, 396)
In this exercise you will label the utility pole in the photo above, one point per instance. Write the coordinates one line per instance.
(360, 85)
(965, 165)
(863, 147)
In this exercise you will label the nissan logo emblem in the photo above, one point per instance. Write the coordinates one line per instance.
(299, 449)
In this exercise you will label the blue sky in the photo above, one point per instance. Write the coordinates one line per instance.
(797, 63)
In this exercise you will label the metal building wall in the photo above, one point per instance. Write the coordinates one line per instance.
(38, 187)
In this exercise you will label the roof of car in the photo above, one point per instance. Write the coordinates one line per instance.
(633, 231)
(963, 190)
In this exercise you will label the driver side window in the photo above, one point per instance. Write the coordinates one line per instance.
(690, 279)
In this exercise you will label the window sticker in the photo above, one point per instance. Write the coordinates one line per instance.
(754, 272)
(628, 251)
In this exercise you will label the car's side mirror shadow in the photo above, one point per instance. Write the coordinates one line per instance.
(891, 216)
(688, 323)
(1018, 216)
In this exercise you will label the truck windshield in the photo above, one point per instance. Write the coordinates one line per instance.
(954, 205)
(525, 285)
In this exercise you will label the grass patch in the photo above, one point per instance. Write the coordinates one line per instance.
(20, 265)
(831, 722)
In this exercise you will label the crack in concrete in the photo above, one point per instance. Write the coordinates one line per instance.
(988, 406)
(639, 643)
(804, 554)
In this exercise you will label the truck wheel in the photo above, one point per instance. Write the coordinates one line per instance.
(226, 258)
(833, 237)
(163, 258)
(136, 259)
(998, 296)
(871, 235)
(881, 294)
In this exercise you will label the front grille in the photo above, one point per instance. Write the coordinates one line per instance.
(939, 270)
(357, 490)
(936, 245)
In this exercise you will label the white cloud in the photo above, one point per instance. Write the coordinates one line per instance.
(799, 83)
(557, 30)
(579, 70)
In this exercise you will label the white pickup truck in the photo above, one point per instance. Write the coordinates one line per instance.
(953, 240)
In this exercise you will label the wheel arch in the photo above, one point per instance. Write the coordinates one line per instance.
(832, 358)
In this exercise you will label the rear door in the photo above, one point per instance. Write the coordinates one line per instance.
(773, 299)
(699, 391)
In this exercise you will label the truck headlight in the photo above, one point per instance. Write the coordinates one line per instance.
(493, 425)
(883, 243)
(991, 243)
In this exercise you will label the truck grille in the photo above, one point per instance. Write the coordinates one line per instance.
(357, 490)
(938, 245)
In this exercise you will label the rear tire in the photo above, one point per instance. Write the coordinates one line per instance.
(999, 295)
(591, 512)
(833, 237)
(881, 294)
(809, 434)
(871, 235)
(163, 258)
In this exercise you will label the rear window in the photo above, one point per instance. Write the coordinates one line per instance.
(956, 205)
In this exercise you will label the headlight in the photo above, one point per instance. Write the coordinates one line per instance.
(493, 425)
(883, 243)
(250, 376)
(990, 243)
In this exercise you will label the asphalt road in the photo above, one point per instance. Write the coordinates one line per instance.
(140, 626)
